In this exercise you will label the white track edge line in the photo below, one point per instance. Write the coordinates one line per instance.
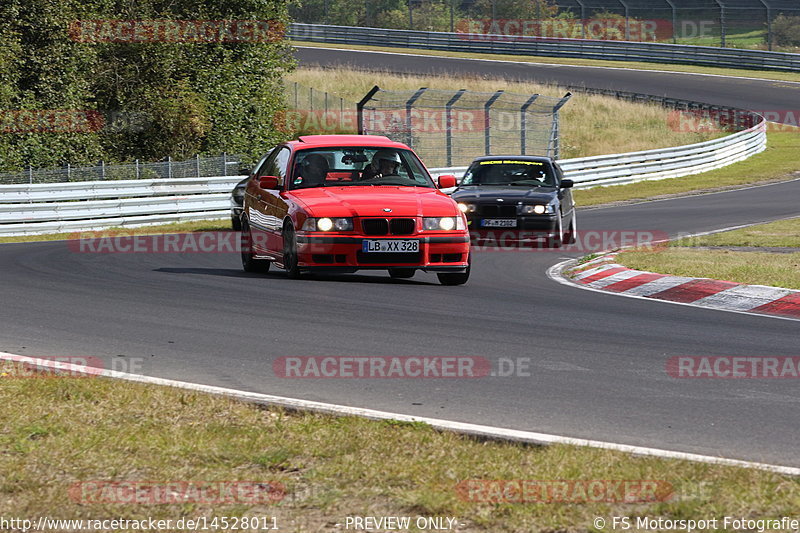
(459, 427)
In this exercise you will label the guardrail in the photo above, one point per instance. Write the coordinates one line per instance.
(619, 169)
(64, 207)
(30, 209)
(537, 46)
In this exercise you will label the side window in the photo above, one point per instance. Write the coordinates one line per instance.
(275, 165)
(267, 167)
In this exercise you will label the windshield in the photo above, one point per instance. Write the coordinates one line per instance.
(510, 172)
(345, 166)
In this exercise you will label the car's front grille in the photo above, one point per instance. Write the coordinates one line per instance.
(505, 211)
(381, 257)
(402, 226)
(375, 226)
(383, 226)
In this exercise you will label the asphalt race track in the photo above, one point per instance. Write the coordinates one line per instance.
(742, 93)
(597, 361)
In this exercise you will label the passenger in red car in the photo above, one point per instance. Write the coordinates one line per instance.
(313, 170)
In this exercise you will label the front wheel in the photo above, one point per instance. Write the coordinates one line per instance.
(571, 236)
(290, 252)
(249, 262)
(558, 239)
(456, 278)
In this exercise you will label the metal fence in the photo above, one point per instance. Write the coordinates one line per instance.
(534, 46)
(299, 96)
(726, 23)
(453, 127)
(311, 111)
(223, 165)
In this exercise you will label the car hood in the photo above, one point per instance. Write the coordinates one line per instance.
(371, 201)
(488, 194)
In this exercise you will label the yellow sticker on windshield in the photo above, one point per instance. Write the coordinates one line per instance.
(504, 162)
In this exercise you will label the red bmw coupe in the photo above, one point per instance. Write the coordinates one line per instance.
(350, 202)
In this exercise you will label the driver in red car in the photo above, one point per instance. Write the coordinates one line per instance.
(384, 163)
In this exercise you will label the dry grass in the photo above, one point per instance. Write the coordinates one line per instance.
(590, 125)
(60, 431)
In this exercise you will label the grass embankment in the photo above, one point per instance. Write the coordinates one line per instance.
(590, 124)
(634, 65)
(61, 431)
(716, 256)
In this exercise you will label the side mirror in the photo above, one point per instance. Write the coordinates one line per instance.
(567, 184)
(447, 181)
(268, 182)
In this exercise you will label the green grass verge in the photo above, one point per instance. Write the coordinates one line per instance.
(782, 233)
(751, 267)
(61, 431)
(763, 74)
(779, 161)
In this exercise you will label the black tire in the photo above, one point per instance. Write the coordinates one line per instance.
(290, 252)
(236, 224)
(249, 262)
(456, 278)
(402, 273)
(571, 236)
(558, 239)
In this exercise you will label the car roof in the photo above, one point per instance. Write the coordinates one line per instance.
(540, 158)
(309, 141)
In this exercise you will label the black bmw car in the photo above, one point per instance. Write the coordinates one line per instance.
(519, 199)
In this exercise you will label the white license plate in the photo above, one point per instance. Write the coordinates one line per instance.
(499, 222)
(390, 246)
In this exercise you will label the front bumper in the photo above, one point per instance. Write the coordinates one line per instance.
(529, 229)
(437, 252)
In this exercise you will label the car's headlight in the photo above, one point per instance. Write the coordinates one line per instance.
(467, 208)
(443, 223)
(328, 224)
(539, 209)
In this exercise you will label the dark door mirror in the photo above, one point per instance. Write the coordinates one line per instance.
(447, 181)
(567, 184)
(268, 182)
